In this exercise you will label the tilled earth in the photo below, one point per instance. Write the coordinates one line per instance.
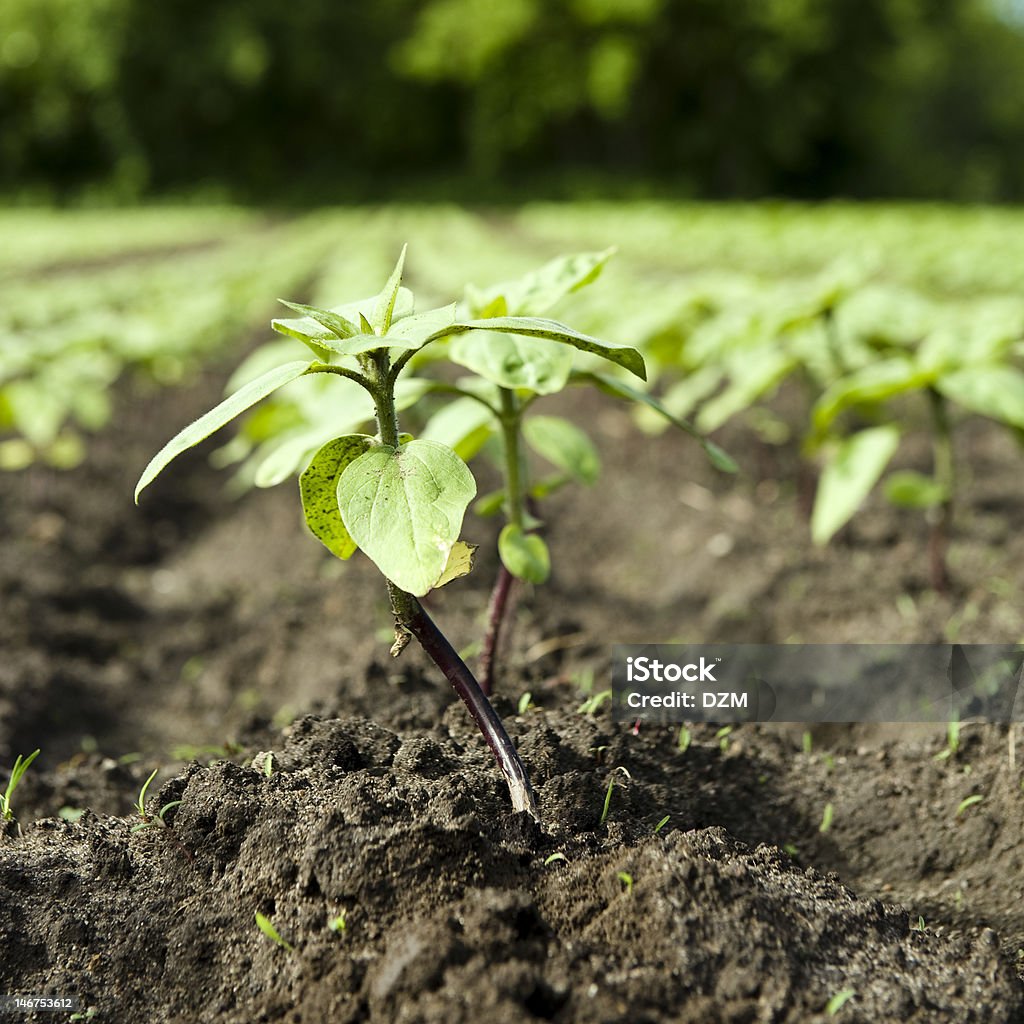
(199, 636)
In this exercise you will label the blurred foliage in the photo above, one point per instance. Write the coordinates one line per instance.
(259, 99)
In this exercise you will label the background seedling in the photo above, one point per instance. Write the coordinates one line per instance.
(627, 880)
(337, 924)
(661, 824)
(266, 926)
(826, 819)
(838, 1001)
(21, 765)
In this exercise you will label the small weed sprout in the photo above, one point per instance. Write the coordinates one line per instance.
(337, 924)
(148, 820)
(920, 926)
(608, 792)
(969, 801)
(266, 926)
(826, 819)
(21, 765)
(807, 741)
(627, 880)
(525, 703)
(661, 824)
(722, 736)
(593, 704)
(838, 1001)
(685, 738)
(952, 741)
(553, 858)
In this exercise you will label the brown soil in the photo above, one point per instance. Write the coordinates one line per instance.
(129, 634)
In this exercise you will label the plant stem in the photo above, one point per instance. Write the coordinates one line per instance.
(412, 618)
(496, 612)
(945, 476)
(514, 476)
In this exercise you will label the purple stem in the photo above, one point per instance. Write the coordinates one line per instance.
(496, 612)
(435, 643)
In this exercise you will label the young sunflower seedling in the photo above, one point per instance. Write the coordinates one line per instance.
(399, 500)
(512, 372)
(21, 765)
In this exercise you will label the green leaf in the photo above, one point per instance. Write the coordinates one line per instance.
(874, 383)
(993, 391)
(551, 330)
(514, 362)
(463, 425)
(847, 480)
(536, 292)
(564, 445)
(328, 318)
(404, 508)
(415, 331)
(525, 555)
(384, 310)
(460, 563)
(217, 417)
(914, 490)
(619, 389)
(318, 487)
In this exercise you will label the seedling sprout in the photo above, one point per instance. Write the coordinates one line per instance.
(21, 765)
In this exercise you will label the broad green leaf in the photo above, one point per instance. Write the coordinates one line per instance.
(993, 391)
(460, 563)
(914, 490)
(404, 508)
(514, 362)
(384, 309)
(217, 417)
(874, 383)
(564, 445)
(754, 373)
(416, 330)
(538, 327)
(525, 555)
(328, 318)
(618, 389)
(847, 480)
(536, 292)
(463, 425)
(318, 487)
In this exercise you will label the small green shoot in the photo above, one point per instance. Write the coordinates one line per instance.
(21, 765)
(591, 705)
(337, 924)
(791, 849)
(525, 703)
(920, 926)
(685, 738)
(969, 801)
(807, 741)
(627, 880)
(952, 741)
(553, 858)
(608, 792)
(826, 819)
(267, 927)
(661, 824)
(148, 820)
(722, 736)
(838, 1001)
(70, 814)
